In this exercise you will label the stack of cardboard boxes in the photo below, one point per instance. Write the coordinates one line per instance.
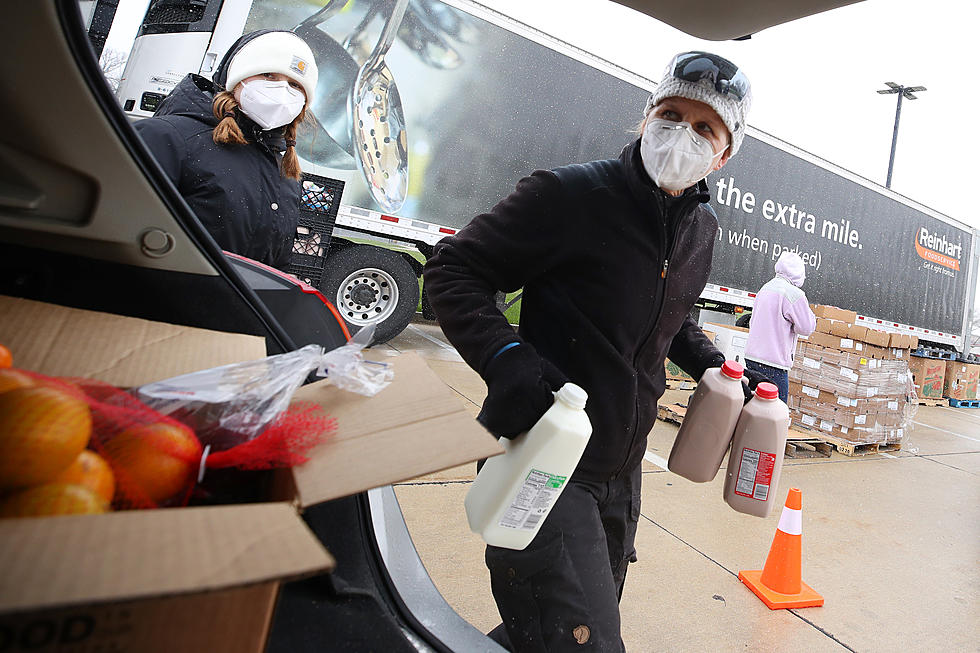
(851, 382)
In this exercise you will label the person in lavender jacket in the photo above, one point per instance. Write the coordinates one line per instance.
(781, 313)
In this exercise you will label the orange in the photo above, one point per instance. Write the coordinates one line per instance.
(6, 358)
(52, 499)
(92, 471)
(42, 430)
(12, 379)
(160, 459)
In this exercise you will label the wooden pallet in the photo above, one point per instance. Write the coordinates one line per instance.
(852, 449)
(808, 448)
(933, 401)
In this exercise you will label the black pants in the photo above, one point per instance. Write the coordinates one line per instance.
(562, 592)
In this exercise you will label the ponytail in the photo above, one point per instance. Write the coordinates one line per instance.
(290, 161)
(227, 132)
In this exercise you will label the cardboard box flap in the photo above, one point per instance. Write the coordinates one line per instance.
(81, 559)
(415, 426)
(123, 351)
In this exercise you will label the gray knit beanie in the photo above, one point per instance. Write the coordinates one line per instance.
(729, 108)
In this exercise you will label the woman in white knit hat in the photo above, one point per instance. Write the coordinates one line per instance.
(228, 145)
(612, 256)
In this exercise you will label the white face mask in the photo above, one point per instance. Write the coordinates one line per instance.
(674, 156)
(271, 104)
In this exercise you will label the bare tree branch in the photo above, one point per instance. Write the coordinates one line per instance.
(113, 63)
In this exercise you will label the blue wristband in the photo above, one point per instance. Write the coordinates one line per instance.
(505, 348)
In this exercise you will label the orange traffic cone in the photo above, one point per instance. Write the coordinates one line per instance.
(779, 584)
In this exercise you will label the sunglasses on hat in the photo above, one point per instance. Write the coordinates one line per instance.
(725, 76)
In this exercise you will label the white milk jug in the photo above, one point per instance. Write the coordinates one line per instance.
(514, 492)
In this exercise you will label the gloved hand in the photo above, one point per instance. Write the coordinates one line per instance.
(750, 379)
(520, 388)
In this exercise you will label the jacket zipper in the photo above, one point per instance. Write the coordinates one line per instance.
(660, 310)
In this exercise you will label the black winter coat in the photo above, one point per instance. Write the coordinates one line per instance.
(237, 191)
(610, 267)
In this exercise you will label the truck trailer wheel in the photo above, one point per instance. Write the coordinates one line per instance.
(371, 285)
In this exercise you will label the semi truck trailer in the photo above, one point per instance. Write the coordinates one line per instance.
(486, 99)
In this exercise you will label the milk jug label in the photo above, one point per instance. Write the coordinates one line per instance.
(755, 474)
(533, 500)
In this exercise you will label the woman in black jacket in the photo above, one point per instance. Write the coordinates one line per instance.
(228, 145)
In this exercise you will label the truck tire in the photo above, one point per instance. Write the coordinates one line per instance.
(371, 285)
(743, 321)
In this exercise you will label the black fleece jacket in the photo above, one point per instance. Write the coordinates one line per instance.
(608, 289)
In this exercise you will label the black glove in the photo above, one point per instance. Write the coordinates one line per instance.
(520, 386)
(751, 379)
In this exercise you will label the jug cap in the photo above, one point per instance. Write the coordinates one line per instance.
(767, 390)
(573, 395)
(732, 369)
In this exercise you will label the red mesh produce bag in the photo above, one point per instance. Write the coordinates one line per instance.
(158, 459)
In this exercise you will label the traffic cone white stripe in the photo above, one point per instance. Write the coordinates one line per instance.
(791, 521)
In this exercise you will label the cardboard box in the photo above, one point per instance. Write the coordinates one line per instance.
(835, 342)
(957, 380)
(200, 578)
(854, 417)
(808, 391)
(857, 332)
(834, 313)
(818, 425)
(874, 351)
(731, 340)
(897, 353)
(972, 380)
(899, 341)
(929, 376)
(832, 327)
(876, 337)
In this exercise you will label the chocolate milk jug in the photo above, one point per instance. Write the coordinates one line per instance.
(706, 432)
(514, 492)
(756, 459)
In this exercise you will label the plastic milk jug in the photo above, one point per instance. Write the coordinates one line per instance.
(756, 459)
(707, 429)
(514, 491)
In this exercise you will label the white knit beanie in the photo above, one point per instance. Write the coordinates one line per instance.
(274, 52)
(729, 108)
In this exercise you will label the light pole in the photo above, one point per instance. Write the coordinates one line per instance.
(902, 91)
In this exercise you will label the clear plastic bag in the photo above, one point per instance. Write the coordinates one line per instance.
(346, 368)
(232, 404)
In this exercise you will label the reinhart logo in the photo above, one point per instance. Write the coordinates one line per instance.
(936, 249)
